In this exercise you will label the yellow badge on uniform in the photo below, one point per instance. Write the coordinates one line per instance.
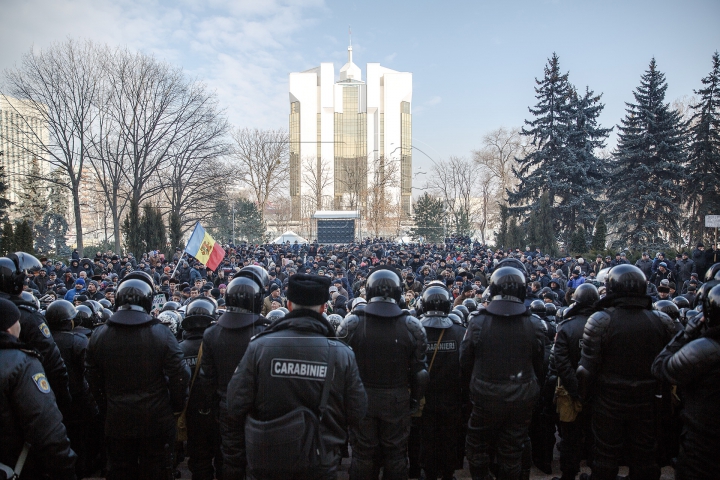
(41, 382)
(44, 329)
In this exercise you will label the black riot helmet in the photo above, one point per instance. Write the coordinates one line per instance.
(681, 302)
(538, 307)
(703, 291)
(711, 307)
(513, 262)
(13, 270)
(59, 312)
(713, 273)
(626, 281)
(256, 273)
(244, 294)
(171, 306)
(200, 313)
(140, 275)
(437, 300)
(274, 315)
(585, 294)
(455, 318)
(667, 307)
(135, 293)
(107, 313)
(550, 309)
(105, 303)
(95, 306)
(384, 285)
(84, 316)
(508, 283)
(462, 309)
(470, 304)
(507, 292)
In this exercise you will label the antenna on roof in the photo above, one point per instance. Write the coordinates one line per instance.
(350, 34)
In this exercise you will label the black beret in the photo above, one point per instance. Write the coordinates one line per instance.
(308, 290)
(9, 314)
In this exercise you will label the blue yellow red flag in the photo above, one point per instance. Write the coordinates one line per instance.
(203, 247)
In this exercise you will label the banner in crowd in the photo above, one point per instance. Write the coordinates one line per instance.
(203, 247)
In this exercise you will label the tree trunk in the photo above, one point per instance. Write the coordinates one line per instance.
(78, 220)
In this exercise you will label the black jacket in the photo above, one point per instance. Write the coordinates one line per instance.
(612, 357)
(224, 345)
(198, 400)
(502, 357)
(694, 366)
(275, 376)
(73, 348)
(138, 373)
(390, 351)
(566, 351)
(444, 391)
(28, 413)
(36, 334)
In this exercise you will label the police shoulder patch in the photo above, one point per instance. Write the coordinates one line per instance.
(44, 329)
(41, 382)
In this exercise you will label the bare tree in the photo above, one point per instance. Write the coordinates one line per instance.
(316, 179)
(262, 158)
(455, 181)
(381, 211)
(57, 87)
(497, 156)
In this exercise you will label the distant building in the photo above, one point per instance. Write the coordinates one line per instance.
(346, 134)
(21, 130)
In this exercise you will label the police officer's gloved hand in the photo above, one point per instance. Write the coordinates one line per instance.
(695, 326)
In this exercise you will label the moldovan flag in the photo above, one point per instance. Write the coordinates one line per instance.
(202, 246)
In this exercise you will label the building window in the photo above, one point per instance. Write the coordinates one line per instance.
(350, 152)
(406, 156)
(295, 176)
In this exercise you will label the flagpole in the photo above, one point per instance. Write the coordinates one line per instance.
(178, 264)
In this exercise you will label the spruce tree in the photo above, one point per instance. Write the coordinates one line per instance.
(544, 233)
(153, 228)
(32, 196)
(501, 239)
(578, 244)
(648, 169)
(4, 202)
(132, 228)
(428, 215)
(23, 238)
(581, 182)
(548, 131)
(566, 136)
(50, 233)
(8, 239)
(704, 154)
(249, 224)
(175, 233)
(598, 241)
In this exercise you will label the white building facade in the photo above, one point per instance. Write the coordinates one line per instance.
(22, 130)
(347, 136)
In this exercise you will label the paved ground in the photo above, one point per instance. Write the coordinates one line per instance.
(667, 472)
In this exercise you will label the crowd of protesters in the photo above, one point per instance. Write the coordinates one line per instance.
(183, 288)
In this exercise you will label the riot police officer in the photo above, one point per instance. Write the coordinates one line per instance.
(692, 362)
(29, 414)
(35, 332)
(203, 435)
(441, 415)
(224, 345)
(563, 365)
(137, 374)
(501, 358)
(617, 365)
(84, 411)
(389, 346)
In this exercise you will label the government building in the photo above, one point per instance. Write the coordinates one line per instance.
(350, 141)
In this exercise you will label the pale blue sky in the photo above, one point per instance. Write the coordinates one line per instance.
(473, 62)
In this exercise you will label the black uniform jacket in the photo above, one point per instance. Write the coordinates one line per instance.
(138, 371)
(28, 413)
(285, 367)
